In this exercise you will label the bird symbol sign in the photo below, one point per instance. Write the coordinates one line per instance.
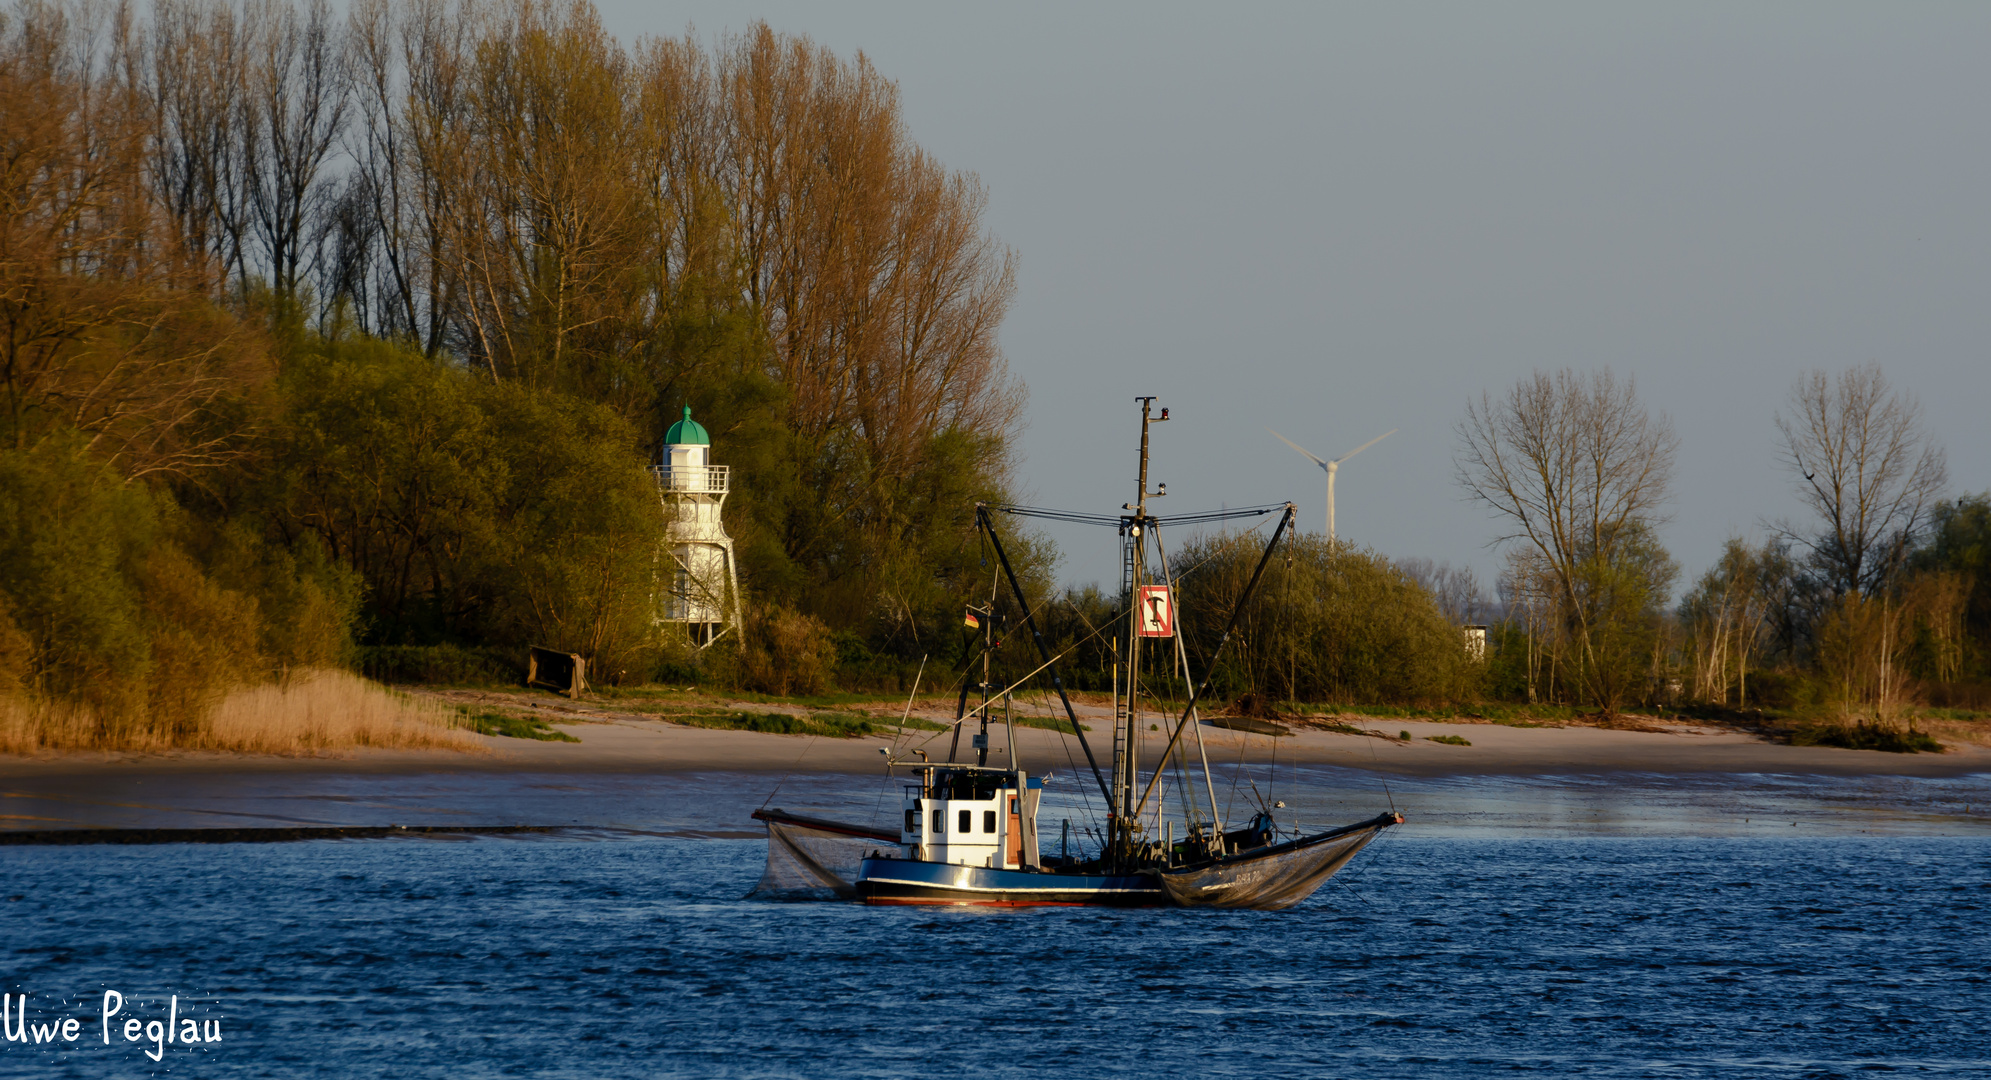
(1157, 611)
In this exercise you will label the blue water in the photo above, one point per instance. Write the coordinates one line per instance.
(1435, 956)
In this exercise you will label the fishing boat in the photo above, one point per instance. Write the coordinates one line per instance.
(968, 830)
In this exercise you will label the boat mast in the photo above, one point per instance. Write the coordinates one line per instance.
(1126, 770)
(988, 650)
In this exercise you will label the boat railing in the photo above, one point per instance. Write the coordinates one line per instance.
(698, 479)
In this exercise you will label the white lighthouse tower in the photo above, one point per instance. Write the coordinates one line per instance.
(700, 580)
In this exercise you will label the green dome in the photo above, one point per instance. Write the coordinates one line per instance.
(687, 432)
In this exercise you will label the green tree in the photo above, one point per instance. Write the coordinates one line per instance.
(547, 244)
(1623, 587)
(1330, 623)
(1959, 543)
(141, 613)
(473, 511)
(73, 537)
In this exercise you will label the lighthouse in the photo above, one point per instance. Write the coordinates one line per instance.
(699, 582)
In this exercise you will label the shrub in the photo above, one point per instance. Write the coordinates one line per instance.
(1329, 623)
(1971, 696)
(830, 725)
(72, 537)
(125, 621)
(1865, 735)
(204, 641)
(785, 652)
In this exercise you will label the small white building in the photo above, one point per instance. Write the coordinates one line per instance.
(698, 577)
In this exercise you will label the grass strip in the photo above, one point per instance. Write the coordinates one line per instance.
(827, 724)
(513, 726)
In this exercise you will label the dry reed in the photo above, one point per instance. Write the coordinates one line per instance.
(312, 712)
(28, 726)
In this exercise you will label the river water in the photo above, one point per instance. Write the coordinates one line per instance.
(1778, 927)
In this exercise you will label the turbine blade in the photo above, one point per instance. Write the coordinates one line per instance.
(1298, 447)
(1365, 446)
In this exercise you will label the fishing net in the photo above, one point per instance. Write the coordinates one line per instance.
(815, 860)
(1274, 879)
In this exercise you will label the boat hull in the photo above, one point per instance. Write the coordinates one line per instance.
(886, 881)
(1275, 877)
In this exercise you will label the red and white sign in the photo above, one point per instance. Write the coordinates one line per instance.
(1157, 611)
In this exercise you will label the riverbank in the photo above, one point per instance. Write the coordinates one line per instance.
(628, 735)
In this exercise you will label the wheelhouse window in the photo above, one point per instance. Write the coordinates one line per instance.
(988, 821)
(939, 821)
(967, 821)
(912, 820)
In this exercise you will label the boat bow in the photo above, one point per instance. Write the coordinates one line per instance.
(1276, 877)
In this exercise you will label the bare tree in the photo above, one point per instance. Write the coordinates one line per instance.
(409, 69)
(1940, 600)
(1578, 469)
(201, 141)
(296, 105)
(550, 244)
(1530, 600)
(1861, 648)
(91, 340)
(1726, 618)
(881, 290)
(1868, 472)
(519, 193)
(1455, 589)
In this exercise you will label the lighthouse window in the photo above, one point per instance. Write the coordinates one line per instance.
(988, 821)
(967, 821)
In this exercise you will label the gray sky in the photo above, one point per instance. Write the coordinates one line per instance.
(1335, 220)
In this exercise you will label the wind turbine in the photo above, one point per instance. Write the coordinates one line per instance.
(1332, 467)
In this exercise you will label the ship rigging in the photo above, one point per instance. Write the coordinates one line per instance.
(968, 831)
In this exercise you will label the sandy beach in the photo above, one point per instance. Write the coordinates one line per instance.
(614, 740)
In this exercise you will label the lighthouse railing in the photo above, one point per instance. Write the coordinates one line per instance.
(695, 479)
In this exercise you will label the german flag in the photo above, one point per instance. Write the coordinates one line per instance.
(971, 622)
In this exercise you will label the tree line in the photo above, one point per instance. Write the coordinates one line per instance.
(333, 337)
(380, 314)
(1876, 601)
(1879, 597)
